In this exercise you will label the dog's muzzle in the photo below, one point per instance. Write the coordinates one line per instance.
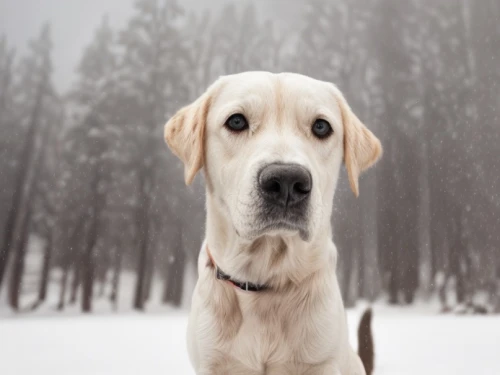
(284, 185)
(284, 194)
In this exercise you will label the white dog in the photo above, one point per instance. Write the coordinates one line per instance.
(267, 300)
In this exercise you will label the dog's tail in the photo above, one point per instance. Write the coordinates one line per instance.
(365, 341)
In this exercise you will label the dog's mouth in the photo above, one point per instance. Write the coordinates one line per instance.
(283, 220)
(280, 227)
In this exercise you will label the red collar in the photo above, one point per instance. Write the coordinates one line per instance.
(221, 275)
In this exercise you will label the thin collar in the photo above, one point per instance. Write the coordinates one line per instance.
(221, 275)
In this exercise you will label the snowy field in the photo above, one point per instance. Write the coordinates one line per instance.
(408, 342)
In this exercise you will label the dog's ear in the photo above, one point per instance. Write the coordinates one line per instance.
(185, 135)
(361, 148)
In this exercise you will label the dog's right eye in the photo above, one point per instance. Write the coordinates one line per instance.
(322, 129)
(236, 123)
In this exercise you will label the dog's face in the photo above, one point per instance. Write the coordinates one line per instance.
(272, 146)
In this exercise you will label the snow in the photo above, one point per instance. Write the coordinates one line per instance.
(95, 345)
(408, 342)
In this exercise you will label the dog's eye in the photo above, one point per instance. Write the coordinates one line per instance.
(321, 129)
(236, 123)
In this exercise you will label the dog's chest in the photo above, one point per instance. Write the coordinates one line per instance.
(257, 342)
(280, 334)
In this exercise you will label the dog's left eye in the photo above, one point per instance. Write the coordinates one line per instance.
(236, 123)
(321, 129)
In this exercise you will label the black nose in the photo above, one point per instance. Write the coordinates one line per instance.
(285, 184)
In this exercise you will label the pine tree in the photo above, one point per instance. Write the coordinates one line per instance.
(95, 89)
(8, 132)
(151, 72)
(7, 55)
(35, 93)
(86, 169)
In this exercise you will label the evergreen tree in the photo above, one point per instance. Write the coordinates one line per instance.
(152, 77)
(89, 172)
(35, 95)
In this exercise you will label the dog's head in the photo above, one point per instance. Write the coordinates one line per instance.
(271, 146)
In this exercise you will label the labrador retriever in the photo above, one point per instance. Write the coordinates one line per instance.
(267, 300)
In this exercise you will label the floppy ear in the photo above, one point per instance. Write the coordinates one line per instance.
(185, 135)
(361, 148)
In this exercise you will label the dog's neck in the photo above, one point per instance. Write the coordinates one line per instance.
(276, 261)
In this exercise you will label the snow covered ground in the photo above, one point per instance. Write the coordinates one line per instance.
(408, 342)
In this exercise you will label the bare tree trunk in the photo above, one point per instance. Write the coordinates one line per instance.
(458, 261)
(102, 268)
(495, 295)
(141, 268)
(7, 78)
(42, 293)
(88, 261)
(102, 286)
(174, 280)
(425, 266)
(64, 283)
(24, 218)
(152, 254)
(93, 218)
(348, 262)
(393, 288)
(115, 284)
(88, 274)
(75, 283)
(75, 258)
(370, 275)
(141, 275)
(143, 245)
(23, 185)
(393, 269)
(15, 285)
(149, 278)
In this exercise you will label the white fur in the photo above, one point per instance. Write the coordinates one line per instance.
(299, 325)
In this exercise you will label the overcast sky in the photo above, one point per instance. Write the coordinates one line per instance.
(73, 24)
